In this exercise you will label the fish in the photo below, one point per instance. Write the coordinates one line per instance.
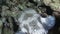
(33, 23)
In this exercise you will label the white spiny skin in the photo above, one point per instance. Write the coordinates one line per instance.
(29, 23)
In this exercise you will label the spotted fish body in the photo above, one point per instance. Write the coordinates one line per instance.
(31, 23)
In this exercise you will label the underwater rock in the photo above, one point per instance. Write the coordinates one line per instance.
(0, 26)
(55, 5)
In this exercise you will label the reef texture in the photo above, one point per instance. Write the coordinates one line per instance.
(11, 10)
